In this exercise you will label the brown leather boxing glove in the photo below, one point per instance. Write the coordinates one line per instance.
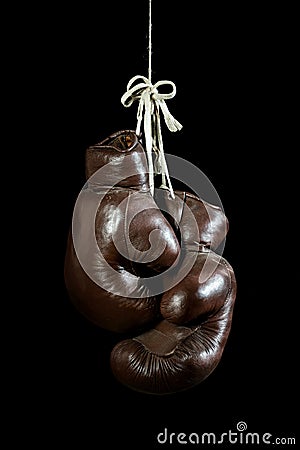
(119, 239)
(186, 346)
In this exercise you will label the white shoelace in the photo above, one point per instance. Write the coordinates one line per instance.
(150, 103)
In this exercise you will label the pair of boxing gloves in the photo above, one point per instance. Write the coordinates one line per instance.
(144, 266)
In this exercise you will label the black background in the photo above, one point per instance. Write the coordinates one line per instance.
(233, 67)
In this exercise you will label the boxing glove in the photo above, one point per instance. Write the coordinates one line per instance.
(183, 348)
(119, 239)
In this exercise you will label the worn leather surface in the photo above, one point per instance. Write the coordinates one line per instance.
(107, 310)
(174, 339)
(182, 349)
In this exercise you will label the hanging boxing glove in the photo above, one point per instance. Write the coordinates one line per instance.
(119, 238)
(184, 348)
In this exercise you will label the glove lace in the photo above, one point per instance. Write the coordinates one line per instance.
(151, 102)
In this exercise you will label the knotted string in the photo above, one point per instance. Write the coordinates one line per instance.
(151, 101)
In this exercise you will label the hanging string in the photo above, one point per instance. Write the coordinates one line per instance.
(151, 102)
(150, 42)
